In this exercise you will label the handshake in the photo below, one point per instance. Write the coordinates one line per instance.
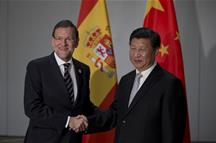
(78, 123)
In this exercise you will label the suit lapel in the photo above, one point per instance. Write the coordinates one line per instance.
(152, 79)
(78, 73)
(57, 74)
(130, 80)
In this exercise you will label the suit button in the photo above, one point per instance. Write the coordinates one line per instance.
(123, 121)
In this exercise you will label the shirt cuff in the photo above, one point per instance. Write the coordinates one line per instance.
(68, 119)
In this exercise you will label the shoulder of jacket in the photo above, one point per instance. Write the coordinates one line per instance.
(80, 64)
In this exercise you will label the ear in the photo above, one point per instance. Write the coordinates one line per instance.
(156, 52)
(53, 42)
(75, 44)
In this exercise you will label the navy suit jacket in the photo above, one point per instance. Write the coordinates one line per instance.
(157, 113)
(47, 103)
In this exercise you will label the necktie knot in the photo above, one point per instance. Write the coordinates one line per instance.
(66, 66)
(138, 77)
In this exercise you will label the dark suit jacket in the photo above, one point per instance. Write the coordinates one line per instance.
(47, 103)
(156, 114)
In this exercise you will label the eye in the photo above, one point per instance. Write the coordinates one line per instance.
(58, 38)
(142, 50)
(61, 39)
(69, 39)
(132, 48)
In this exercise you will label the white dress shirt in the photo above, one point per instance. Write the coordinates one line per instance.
(61, 63)
(145, 74)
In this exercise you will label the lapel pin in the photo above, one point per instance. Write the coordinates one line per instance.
(79, 71)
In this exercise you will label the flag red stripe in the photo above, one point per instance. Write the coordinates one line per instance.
(85, 8)
(109, 98)
(104, 136)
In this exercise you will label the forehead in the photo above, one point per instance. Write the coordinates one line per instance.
(63, 30)
(141, 42)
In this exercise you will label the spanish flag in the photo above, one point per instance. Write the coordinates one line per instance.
(160, 16)
(96, 50)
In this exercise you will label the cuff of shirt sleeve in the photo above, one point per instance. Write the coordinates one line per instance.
(67, 123)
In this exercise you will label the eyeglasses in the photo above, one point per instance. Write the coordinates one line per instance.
(61, 39)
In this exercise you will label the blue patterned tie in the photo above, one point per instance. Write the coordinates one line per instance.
(68, 81)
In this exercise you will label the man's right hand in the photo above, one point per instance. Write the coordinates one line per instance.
(78, 123)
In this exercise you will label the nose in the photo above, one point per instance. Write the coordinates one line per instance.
(65, 42)
(137, 53)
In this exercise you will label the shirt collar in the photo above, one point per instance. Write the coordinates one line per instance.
(148, 70)
(60, 61)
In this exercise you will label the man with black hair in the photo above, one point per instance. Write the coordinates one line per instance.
(57, 90)
(150, 105)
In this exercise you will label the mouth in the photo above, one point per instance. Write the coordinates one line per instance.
(137, 61)
(63, 48)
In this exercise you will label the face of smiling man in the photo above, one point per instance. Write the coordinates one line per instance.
(63, 43)
(141, 53)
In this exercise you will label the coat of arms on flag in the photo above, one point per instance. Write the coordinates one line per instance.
(101, 53)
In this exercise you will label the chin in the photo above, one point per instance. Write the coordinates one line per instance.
(140, 68)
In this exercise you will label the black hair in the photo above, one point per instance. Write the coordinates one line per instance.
(148, 33)
(67, 23)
